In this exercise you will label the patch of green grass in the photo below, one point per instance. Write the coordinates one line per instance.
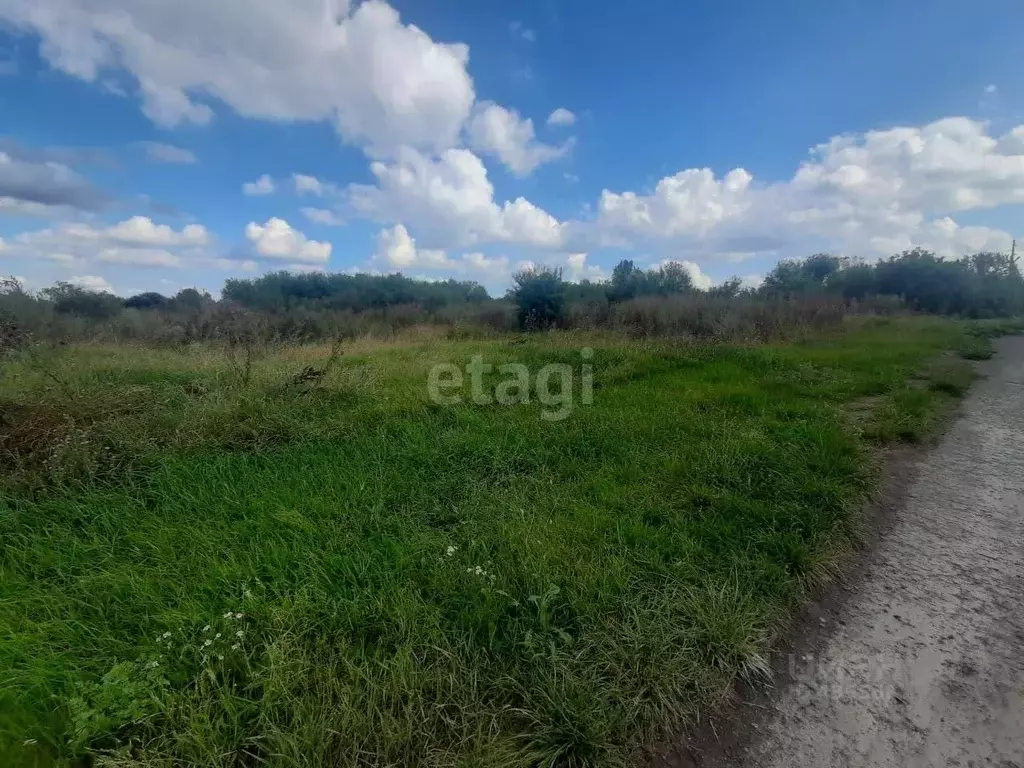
(357, 576)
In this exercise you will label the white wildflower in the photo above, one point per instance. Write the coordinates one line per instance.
(227, 615)
(166, 635)
(220, 656)
(217, 636)
(239, 633)
(452, 549)
(207, 642)
(235, 647)
(206, 628)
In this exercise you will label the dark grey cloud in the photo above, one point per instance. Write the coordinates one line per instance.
(48, 184)
(70, 156)
(40, 177)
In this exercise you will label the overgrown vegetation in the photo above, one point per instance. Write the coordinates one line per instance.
(241, 531)
(658, 301)
(980, 285)
(297, 558)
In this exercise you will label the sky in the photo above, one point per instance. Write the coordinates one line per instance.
(148, 145)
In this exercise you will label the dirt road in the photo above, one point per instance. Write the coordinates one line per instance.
(921, 663)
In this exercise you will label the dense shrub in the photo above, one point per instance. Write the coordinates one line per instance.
(286, 291)
(796, 294)
(630, 282)
(148, 300)
(539, 294)
(70, 299)
(981, 285)
(705, 317)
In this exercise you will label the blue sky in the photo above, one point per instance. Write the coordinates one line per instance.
(466, 139)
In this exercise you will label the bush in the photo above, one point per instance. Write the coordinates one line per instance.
(713, 318)
(149, 300)
(630, 282)
(981, 285)
(69, 299)
(539, 293)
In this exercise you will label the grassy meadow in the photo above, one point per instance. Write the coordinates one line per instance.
(208, 561)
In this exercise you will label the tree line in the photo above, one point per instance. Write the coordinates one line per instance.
(985, 284)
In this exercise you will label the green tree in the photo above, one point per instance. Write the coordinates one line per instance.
(668, 279)
(539, 295)
(192, 298)
(627, 281)
(148, 300)
(793, 277)
(69, 299)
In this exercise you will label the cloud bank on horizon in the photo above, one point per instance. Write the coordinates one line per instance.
(434, 155)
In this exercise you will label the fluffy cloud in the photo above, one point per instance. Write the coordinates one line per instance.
(450, 202)
(690, 202)
(382, 83)
(264, 185)
(523, 222)
(167, 153)
(561, 116)
(496, 266)
(14, 207)
(91, 283)
(946, 238)
(502, 132)
(948, 165)
(868, 194)
(137, 241)
(578, 269)
(141, 231)
(323, 216)
(29, 184)
(398, 249)
(311, 185)
(278, 241)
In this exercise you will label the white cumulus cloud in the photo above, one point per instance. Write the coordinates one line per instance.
(136, 241)
(561, 116)
(264, 185)
(382, 83)
(449, 201)
(398, 249)
(866, 194)
(311, 185)
(276, 239)
(92, 283)
(503, 133)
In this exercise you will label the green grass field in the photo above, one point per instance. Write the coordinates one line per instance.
(200, 571)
